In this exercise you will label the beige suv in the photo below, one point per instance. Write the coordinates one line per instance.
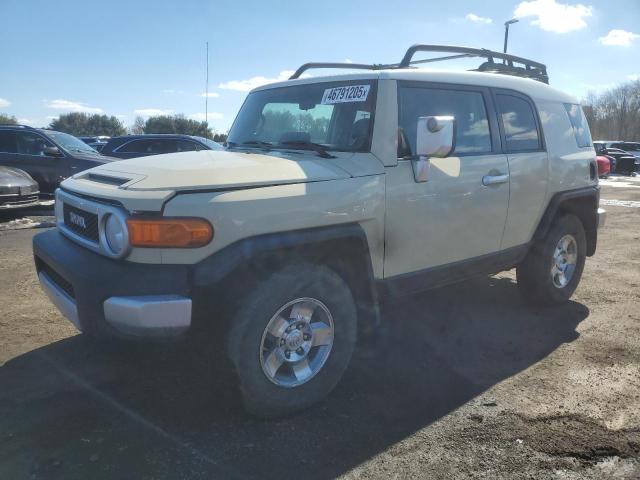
(333, 193)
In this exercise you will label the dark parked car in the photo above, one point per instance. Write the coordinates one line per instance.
(625, 162)
(48, 156)
(17, 189)
(131, 146)
(632, 147)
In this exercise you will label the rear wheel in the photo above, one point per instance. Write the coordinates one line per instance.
(553, 267)
(292, 338)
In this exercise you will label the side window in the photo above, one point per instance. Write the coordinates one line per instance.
(149, 147)
(472, 125)
(29, 143)
(8, 143)
(186, 146)
(579, 124)
(135, 146)
(520, 126)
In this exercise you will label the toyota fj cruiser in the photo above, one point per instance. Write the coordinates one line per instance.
(333, 193)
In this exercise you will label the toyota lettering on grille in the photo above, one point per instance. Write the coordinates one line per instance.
(77, 220)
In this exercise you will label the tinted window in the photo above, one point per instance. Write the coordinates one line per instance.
(520, 127)
(152, 146)
(472, 125)
(187, 146)
(29, 143)
(579, 124)
(8, 142)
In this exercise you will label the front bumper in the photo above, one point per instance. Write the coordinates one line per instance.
(105, 297)
(11, 202)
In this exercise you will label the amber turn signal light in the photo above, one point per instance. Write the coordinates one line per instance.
(169, 232)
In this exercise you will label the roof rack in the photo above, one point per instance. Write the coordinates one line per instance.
(509, 66)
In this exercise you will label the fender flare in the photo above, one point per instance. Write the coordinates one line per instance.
(582, 202)
(342, 247)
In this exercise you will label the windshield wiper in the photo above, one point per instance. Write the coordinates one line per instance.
(259, 143)
(320, 149)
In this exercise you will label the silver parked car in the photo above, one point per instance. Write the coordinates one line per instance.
(17, 189)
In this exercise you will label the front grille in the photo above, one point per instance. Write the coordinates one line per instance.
(28, 189)
(55, 277)
(81, 222)
(20, 200)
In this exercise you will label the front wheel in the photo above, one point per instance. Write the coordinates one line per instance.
(553, 267)
(292, 338)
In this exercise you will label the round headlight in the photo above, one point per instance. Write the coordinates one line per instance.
(114, 234)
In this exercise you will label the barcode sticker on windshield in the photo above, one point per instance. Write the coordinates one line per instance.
(350, 93)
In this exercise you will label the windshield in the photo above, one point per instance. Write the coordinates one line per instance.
(69, 142)
(335, 115)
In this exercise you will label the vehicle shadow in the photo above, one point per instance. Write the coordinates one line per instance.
(73, 410)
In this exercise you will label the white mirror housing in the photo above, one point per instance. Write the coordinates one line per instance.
(436, 136)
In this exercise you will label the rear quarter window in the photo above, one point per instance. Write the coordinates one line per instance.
(519, 122)
(579, 124)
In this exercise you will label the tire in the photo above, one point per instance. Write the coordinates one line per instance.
(537, 280)
(305, 288)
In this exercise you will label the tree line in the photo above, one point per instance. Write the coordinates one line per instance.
(85, 125)
(615, 113)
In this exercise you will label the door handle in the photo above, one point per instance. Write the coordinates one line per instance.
(495, 179)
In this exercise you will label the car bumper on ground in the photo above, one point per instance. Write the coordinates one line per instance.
(105, 297)
(12, 202)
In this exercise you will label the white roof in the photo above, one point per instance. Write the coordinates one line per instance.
(533, 88)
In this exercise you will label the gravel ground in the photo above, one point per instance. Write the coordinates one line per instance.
(466, 382)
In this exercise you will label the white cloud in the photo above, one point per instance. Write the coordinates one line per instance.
(472, 17)
(620, 38)
(347, 60)
(25, 121)
(70, 106)
(553, 16)
(633, 77)
(51, 117)
(201, 116)
(4, 103)
(210, 95)
(152, 112)
(253, 82)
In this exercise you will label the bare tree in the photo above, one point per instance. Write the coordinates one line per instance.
(138, 126)
(615, 113)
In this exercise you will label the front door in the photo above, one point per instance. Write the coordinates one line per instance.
(459, 213)
(47, 170)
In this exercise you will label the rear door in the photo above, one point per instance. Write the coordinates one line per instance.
(528, 164)
(459, 213)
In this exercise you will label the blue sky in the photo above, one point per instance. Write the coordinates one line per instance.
(131, 58)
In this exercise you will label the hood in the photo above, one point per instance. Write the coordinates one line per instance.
(209, 169)
(98, 158)
(10, 176)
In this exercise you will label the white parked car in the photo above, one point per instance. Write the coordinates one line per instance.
(333, 193)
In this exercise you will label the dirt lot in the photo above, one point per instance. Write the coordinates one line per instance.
(467, 382)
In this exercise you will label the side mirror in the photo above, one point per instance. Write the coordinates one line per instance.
(436, 137)
(52, 151)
